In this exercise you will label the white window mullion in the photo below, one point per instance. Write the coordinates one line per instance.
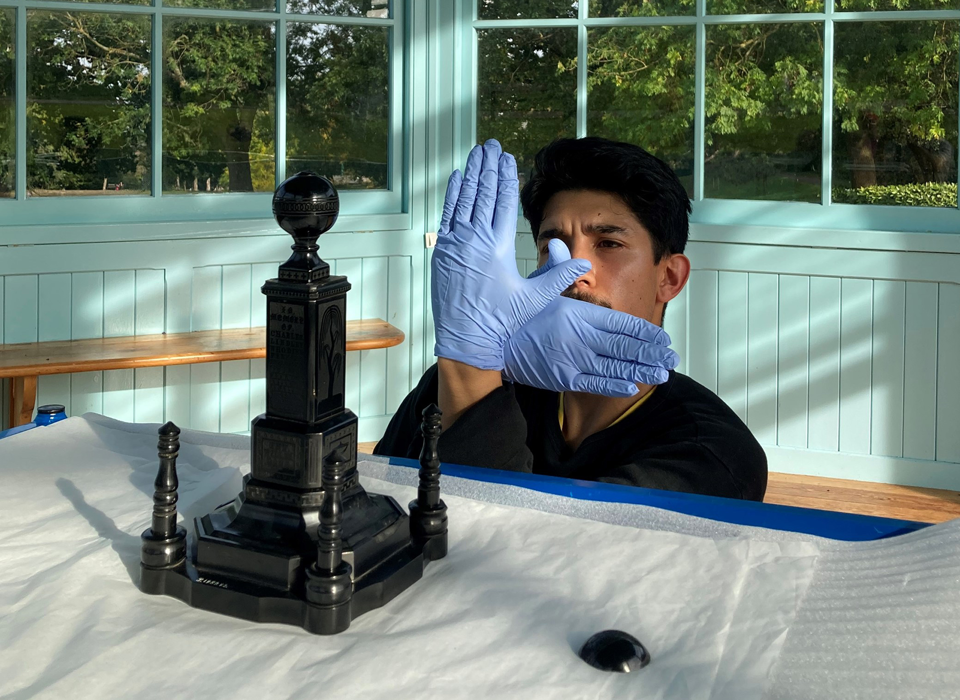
(826, 169)
(280, 121)
(699, 108)
(582, 73)
(156, 104)
(20, 104)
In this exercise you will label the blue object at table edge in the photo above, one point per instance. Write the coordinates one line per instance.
(822, 523)
(46, 415)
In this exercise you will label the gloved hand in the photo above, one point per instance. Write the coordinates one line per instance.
(479, 298)
(573, 345)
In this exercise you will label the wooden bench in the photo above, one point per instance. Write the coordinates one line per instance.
(23, 363)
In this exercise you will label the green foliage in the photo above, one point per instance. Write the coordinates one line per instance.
(527, 87)
(641, 89)
(88, 85)
(338, 115)
(927, 194)
(218, 81)
(7, 123)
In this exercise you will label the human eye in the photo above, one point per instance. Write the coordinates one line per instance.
(610, 243)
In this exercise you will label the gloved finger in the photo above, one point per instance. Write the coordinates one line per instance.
(468, 188)
(603, 386)
(557, 252)
(625, 347)
(621, 323)
(508, 196)
(630, 371)
(487, 187)
(550, 284)
(450, 202)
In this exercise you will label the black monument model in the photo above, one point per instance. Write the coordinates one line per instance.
(303, 543)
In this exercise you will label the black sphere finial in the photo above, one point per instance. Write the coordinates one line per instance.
(306, 206)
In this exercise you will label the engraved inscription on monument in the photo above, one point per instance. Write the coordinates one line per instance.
(286, 382)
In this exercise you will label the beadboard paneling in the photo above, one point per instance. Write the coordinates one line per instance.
(199, 285)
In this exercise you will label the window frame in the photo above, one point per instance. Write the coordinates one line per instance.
(26, 219)
(733, 212)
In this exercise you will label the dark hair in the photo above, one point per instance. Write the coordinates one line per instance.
(645, 183)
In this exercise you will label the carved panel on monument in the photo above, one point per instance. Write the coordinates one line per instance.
(330, 377)
(278, 456)
(344, 441)
(286, 360)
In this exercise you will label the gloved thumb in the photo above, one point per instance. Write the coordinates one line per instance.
(551, 283)
(557, 252)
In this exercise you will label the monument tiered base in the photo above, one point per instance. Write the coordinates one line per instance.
(249, 601)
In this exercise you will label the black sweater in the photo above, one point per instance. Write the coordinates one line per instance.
(682, 438)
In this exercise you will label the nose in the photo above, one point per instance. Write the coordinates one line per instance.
(580, 248)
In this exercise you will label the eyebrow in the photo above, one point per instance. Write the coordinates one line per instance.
(602, 229)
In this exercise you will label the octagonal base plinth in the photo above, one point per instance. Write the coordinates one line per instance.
(248, 601)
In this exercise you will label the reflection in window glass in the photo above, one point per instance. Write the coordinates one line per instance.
(526, 9)
(262, 5)
(377, 9)
(7, 114)
(868, 5)
(895, 113)
(641, 90)
(763, 131)
(338, 106)
(751, 7)
(88, 103)
(641, 8)
(527, 89)
(218, 106)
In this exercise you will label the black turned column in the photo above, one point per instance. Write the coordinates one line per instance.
(329, 582)
(164, 544)
(428, 514)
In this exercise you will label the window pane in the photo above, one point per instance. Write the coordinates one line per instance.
(88, 103)
(759, 7)
(218, 106)
(764, 124)
(338, 104)
(867, 5)
(641, 90)
(262, 5)
(527, 89)
(7, 115)
(526, 9)
(641, 8)
(378, 9)
(895, 113)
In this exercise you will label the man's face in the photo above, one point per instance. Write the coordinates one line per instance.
(601, 228)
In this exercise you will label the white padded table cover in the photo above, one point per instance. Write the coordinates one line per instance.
(727, 612)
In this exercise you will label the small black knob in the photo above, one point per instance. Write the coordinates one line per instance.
(613, 650)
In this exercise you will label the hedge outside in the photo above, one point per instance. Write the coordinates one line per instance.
(926, 194)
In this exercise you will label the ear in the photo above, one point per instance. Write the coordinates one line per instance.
(674, 273)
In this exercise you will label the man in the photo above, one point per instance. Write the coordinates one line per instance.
(569, 373)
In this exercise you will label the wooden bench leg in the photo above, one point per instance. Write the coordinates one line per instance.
(23, 399)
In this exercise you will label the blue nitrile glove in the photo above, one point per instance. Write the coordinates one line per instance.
(479, 298)
(573, 345)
